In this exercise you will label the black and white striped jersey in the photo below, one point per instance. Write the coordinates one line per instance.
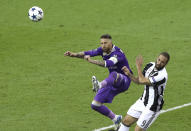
(152, 96)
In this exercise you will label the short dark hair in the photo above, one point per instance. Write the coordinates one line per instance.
(106, 36)
(166, 54)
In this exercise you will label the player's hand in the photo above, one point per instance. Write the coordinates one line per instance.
(139, 61)
(69, 53)
(126, 70)
(87, 57)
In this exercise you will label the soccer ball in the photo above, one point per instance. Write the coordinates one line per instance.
(35, 13)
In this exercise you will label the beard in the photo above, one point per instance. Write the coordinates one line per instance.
(158, 67)
(106, 50)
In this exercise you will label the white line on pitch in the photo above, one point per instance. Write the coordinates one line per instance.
(162, 111)
(174, 108)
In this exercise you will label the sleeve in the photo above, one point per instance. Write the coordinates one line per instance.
(157, 79)
(113, 60)
(95, 52)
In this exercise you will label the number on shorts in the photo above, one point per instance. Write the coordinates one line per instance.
(143, 123)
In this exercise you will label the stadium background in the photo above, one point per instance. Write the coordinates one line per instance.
(41, 90)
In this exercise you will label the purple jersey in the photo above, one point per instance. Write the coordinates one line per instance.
(113, 61)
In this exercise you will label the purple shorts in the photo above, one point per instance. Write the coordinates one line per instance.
(107, 93)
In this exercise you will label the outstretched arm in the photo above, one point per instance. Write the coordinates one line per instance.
(97, 62)
(91, 53)
(86, 57)
(72, 54)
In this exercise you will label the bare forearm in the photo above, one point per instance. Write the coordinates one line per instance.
(98, 62)
(133, 78)
(140, 75)
(141, 78)
(79, 55)
(130, 75)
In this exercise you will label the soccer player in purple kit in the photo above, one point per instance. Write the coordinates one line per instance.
(117, 81)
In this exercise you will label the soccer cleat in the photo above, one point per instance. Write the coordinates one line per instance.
(117, 122)
(95, 84)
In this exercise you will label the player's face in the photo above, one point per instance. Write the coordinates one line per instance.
(106, 45)
(161, 62)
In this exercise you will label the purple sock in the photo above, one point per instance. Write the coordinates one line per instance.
(104, 111)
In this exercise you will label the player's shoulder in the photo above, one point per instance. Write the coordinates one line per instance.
(99, 49)
(149, 65)
(163, 72)
(117, 50)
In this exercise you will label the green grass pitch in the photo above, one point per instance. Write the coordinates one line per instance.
(41, 90)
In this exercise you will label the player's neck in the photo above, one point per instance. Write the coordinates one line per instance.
(159, 68)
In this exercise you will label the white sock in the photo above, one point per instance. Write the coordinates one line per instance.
(99, 83)
(123, 128)
(115, 118)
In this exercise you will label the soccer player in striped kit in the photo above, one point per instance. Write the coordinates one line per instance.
(147, 108)
(117, 81)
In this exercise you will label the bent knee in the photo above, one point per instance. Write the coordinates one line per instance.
(129, 120)
(114, 74)
(95, 105)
